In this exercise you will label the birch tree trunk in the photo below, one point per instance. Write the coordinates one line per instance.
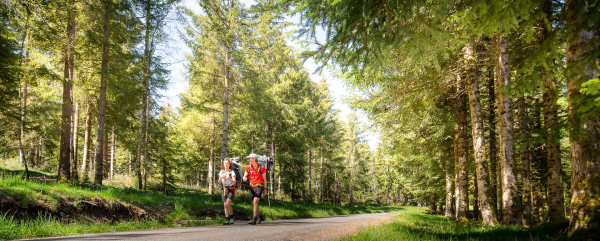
(460, 118)
(102, 106)
(269, 180)
(87, 139)
(321, 177)
(510, 191)
(112, 153)
(105, 157)
(272, 155)
(449, 184)
(584, 127)
(75, 142)
(210, 159)
(484, 192)
(309, 173)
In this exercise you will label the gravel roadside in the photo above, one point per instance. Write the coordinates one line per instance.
(346, 230)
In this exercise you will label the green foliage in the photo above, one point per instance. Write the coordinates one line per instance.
(592, 88)
(177, 214)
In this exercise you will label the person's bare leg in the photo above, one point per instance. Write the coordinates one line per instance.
(228, 209)
(256, 209)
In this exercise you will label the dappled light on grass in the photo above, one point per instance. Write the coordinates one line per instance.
(414, 225)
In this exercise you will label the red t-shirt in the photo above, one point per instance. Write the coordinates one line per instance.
(254, 176)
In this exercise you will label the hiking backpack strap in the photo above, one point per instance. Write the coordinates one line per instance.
(259, 169)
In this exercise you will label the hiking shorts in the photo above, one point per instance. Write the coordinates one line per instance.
(255, 192)
(229, 194)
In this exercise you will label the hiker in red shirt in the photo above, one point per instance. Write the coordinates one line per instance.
(257, 184)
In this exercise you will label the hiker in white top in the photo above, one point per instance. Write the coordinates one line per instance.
(227, 180)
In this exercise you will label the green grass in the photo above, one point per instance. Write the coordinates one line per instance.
(46, 226)
(8, 171)
(183, 205)
(414, 225)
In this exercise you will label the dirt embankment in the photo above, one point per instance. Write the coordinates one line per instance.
(95, 210)
(90, 209)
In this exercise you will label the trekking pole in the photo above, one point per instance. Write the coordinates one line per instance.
(269, 195)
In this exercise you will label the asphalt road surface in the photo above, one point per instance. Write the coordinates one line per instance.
(272, 230)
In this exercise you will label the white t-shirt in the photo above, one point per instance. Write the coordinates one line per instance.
(226, 181)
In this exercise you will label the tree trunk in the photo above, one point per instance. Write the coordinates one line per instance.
(143, 144)
(22, 157)
(539, 164)
(102, 106)
(510, 192)
(112, 153)
(64, 162)
(210, 159)
(105, 163)
(374, 179)
(476, 213)
(387, 183)
(556, 200)
(488, 215)
(321, 177)
(449, 183)
(22, 123)
(129, 169)
(584, 134)
(75, 142)
(87, 139)
(309, 173)
(23, 96)
(225, 107)
(164, 175)
(461, 159)
(492, 153)
(273, 156)
(269, 184)
(525, 157)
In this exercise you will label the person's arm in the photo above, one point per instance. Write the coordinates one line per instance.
(245, 179)
(232, 179)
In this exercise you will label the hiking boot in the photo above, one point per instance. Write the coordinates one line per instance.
(252, 221)
(258, 219)
(227, 222)
(231, 220)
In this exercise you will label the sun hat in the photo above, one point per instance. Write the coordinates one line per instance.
(252, 155)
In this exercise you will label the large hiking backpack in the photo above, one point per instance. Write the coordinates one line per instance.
(237, 169)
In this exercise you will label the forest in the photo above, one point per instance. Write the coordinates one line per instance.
(486, 110)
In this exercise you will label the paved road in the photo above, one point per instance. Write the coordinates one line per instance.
(272, 230)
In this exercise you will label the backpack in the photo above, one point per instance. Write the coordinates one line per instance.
(259, 168)
(237, 170)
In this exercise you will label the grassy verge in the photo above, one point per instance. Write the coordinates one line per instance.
(186, 204)
(414, 225)
(46, 226)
